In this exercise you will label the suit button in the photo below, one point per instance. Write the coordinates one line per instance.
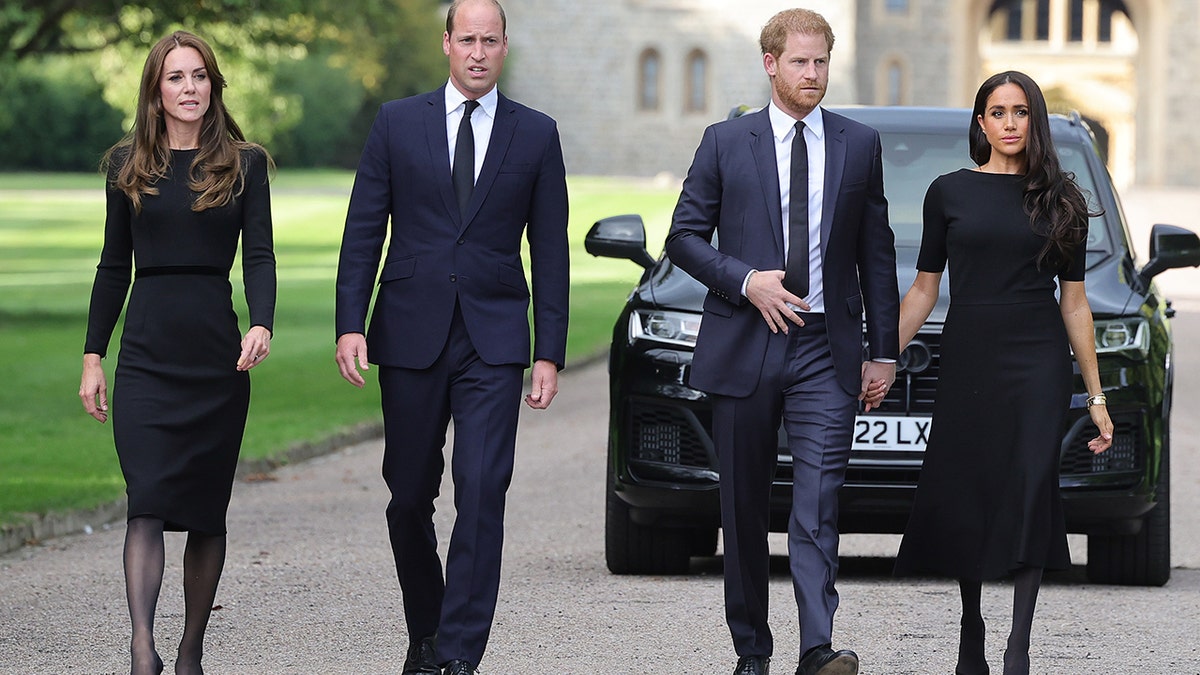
(462, 241)
(453, 277)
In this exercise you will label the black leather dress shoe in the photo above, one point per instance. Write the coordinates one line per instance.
(753, 665)
(459, 667)
(824, 661)
(421, 658)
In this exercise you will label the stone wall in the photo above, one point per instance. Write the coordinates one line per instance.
(578, 61)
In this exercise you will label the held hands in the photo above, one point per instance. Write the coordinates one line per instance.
(877, 378)
(351, 346)
(1100, 418)
(255, 347)
(766, 292)
(543, 384)
(93, 388)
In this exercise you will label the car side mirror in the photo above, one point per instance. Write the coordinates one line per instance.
(1170, 247)
(619, 237)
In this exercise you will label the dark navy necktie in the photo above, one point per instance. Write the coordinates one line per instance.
(463, 172)
(795, 274)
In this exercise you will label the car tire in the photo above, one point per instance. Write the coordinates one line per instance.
(703, 541)
(630, 548)
(1142, 559)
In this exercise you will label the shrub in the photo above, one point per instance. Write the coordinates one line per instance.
(54, 117)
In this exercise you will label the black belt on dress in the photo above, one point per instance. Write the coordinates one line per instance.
(200, 270)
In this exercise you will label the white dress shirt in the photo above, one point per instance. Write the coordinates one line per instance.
(783, 127)
(481, 122)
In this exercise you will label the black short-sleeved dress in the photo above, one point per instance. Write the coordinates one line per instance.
(988, 502)
(178, 403)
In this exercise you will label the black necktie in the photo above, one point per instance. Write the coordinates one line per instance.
(795, 275)
(463, 172)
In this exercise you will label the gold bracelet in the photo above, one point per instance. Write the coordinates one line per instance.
(1098, 399)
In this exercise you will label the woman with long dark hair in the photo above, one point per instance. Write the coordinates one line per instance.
(183, 187)
(988, 503)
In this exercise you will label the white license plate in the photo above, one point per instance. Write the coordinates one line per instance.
(877, 432)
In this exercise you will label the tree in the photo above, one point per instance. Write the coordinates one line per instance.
(366, 51)
(30, 28)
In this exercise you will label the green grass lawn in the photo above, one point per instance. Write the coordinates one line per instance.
(54, 457)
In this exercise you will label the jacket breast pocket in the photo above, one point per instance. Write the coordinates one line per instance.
(854, 186)
(402, 268)
(519, 167)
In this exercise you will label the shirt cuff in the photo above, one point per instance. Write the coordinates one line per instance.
(882, 360)
(746, 283)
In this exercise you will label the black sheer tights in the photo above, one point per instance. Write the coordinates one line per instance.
(971, 654)
(203, 559)
(1025, 591)
(143, 579)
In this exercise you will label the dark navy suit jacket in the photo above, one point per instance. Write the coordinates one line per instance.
(435, 255)
(733, 186)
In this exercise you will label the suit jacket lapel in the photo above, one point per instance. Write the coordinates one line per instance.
(762, 145)
(439, 147)
(835, 165)
(503, 128)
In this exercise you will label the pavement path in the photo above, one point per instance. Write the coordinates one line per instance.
(309, 585)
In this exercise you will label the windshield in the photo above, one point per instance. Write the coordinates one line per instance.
(912, 160)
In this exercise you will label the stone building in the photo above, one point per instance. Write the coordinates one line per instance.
(633, 83)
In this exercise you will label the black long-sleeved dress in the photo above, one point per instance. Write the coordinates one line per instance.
(178, 403)
(988, 501)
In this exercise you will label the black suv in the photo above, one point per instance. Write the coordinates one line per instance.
(662, 504)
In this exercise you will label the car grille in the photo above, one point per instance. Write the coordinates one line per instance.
(1125, 455)
(916, 376)
(668, 435)
(680, 436)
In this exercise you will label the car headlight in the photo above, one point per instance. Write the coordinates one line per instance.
(1130, 337)
(673, 328)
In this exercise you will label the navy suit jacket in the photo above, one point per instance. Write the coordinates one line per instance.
(436, 256)
(733, 187)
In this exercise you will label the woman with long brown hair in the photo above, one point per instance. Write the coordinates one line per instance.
(987, 503)
(182, 188)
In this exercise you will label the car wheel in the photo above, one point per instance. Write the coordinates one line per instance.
(1142, 559)
(630, 548)
(703, 541)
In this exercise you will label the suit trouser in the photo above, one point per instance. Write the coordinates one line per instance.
(484, 402)
(798, 384)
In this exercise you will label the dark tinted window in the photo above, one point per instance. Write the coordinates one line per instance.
(910, 163)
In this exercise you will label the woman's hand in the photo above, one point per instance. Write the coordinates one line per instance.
(256, 346)
(93, 388)
(1100, 418)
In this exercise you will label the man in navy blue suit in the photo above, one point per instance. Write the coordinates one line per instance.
(804, 249)
(462, 173)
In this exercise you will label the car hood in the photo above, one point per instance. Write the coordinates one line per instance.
(1109, 292)
(669, 287)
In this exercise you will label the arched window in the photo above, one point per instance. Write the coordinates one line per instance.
(649, 80)
(895, 84)
(697, 82)
(892, 81)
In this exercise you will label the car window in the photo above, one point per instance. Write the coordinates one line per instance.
(910, 163)
(912, 160)
(1075, 161)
